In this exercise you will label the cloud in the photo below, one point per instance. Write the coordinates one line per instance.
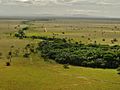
(61, 7)
(0, 1)
(108, 2)
(83, 11)
(24, 1)
(39, 2)
(64, 2)
(27, 2)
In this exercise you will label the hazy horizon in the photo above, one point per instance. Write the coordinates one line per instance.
(65, 8)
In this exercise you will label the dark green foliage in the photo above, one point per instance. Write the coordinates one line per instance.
(29, 48)
(25, 28)
(26, 55)
(8, 64)
(44, 38)
(20, 34)
(118, 69)
(92, 55)
(66, 66)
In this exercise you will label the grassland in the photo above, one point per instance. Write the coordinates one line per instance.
(40, 75)
(79, 30)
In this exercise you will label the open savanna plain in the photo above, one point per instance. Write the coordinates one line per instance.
(24, 74)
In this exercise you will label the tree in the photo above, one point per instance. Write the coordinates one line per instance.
(10, 56)
(29, 49)
(21, 34)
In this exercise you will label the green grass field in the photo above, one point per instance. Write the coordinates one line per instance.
(37, 74)
(78, 30)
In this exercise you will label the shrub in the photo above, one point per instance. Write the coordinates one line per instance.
(63, 32)
(82, 36)
(103, 39)
(26, 55)
(88, 38)
(115, 40)
(25, 28)
(118, 69)
(66, 66)
(112, 41)
(8, 64)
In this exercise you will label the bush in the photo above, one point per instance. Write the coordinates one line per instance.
(103, 39)
(66, 66)
(115, 40)
(25, 28)
(26, 55)
(118, 69)
(8, 64)
(63, 32)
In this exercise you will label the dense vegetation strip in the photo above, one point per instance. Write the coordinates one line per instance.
(65, 52)
(92, 55)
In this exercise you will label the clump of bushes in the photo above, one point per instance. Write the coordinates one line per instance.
(29, 49)
(114, 40)
(8, 64)
(26, 55)
(66, 66)
(92, 55)
(21, 33)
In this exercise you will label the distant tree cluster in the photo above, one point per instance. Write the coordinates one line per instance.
(91, 55)
(21, 33)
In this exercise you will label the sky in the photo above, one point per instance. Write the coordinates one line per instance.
(94, 8)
